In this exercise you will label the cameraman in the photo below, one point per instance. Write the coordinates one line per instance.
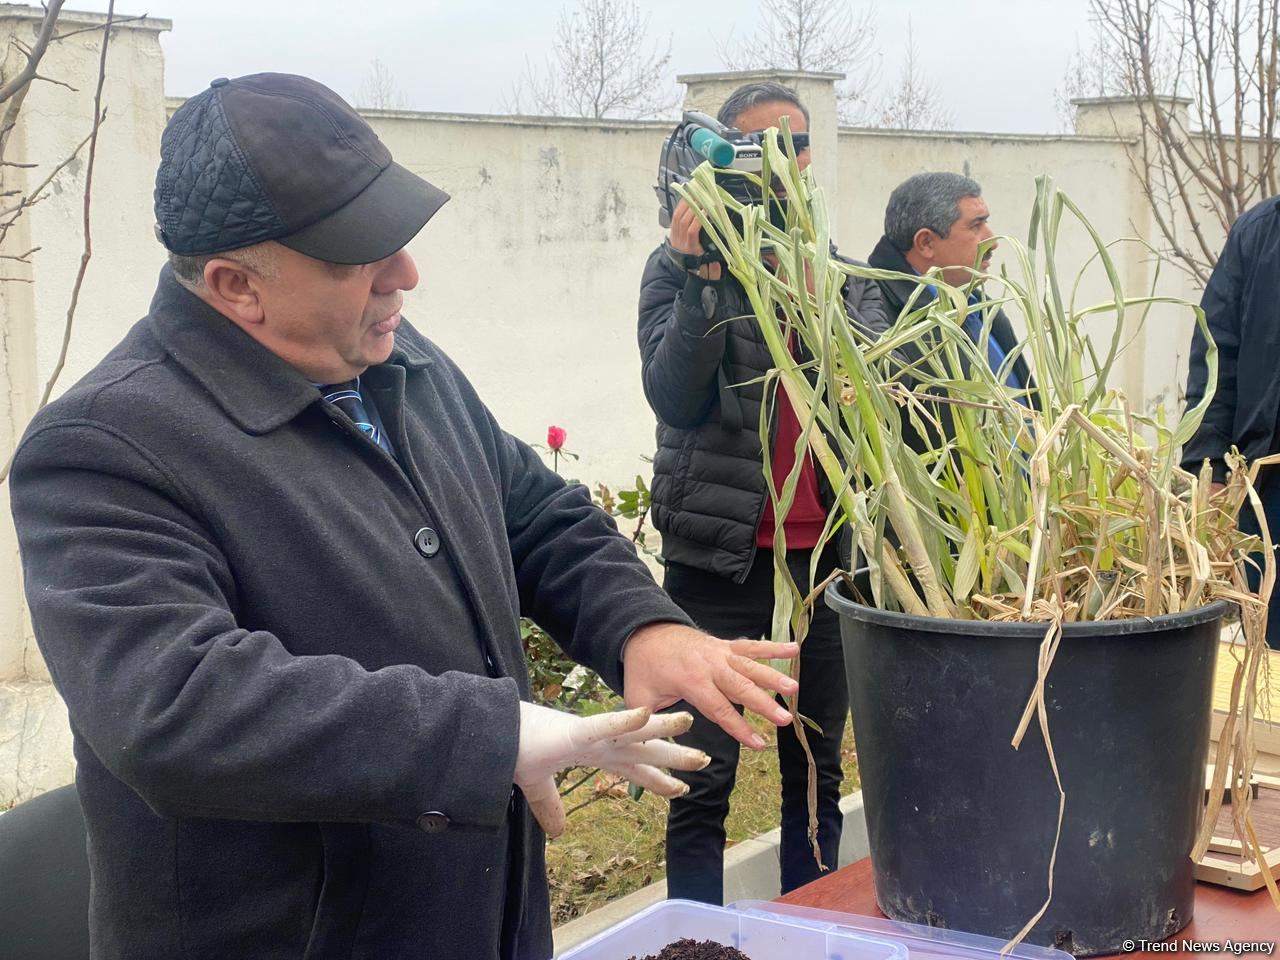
(702, 374)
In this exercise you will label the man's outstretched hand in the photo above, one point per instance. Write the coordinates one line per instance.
(664, 663)
(630, 743)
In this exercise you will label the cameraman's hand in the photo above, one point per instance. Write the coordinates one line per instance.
(771, 262)
(685, 229)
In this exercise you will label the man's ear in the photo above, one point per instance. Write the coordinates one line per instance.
(922, 244)
(232, 290)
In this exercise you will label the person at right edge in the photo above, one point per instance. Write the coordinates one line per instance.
(1242, 307)
(702, 377)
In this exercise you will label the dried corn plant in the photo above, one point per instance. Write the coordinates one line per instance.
(968, 498)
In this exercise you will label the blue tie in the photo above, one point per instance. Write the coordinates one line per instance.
(346, 397)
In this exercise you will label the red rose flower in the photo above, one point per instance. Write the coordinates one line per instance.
(555, 437)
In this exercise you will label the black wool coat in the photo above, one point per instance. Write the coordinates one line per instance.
(293, 665)
(896, 294)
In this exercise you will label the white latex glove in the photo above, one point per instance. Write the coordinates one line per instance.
(629, 743)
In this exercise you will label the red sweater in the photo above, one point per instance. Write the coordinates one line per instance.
(807, 517)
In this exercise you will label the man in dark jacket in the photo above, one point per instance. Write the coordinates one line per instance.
(711, 504)
(1242, 307)
(276, 551)
(939, 220)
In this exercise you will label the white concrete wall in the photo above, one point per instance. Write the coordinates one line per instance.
(529, 275)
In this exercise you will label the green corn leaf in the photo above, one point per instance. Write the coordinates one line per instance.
(967, 568)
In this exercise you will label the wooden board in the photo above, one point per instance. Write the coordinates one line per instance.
(1225, 864)
(1224, 671)
(1266, 728)
(1227, 794)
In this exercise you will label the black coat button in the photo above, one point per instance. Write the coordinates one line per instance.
(433, 822)
(427, 541)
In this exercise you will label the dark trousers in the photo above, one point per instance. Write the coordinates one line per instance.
(1269, 494)
(695, 825)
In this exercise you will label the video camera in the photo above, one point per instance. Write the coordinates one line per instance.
(700, 138)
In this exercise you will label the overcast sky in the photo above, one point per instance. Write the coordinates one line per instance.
(995, 64)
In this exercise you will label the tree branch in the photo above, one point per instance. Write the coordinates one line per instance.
(120, 22)
(57, 83)
(36, 53)
(15, 211)
(1172, 48)
(99, 115)
(589, 774)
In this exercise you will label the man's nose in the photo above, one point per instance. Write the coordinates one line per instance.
(397, 272)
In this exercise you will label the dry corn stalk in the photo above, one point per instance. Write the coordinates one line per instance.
(1056, 503)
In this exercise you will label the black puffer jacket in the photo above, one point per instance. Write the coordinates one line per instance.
(702, 378)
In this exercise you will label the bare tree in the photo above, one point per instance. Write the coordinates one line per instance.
(379, 90)
(913, 104)
(819, 36)
(1204, 75)
(1091, 72)
(601, 66)
(17, 201)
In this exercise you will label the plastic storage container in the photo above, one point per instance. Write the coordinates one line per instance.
(757, 933)
(920, 942)
(780, 931)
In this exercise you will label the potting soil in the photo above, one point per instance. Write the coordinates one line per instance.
(689, 949)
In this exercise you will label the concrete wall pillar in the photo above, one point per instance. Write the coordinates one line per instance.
(705, 92)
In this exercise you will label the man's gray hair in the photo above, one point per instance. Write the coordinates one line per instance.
(753, 94)
(259, 258)
(926, 200)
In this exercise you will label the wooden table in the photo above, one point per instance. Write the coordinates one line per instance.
(1220, 914)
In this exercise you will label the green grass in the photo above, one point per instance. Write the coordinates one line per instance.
(615, 845)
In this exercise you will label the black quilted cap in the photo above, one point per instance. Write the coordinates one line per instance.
(273, 156)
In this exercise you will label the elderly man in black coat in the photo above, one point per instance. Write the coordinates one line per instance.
(1242, 307)
(276, 551)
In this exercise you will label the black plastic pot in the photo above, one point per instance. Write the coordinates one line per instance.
(961, 825)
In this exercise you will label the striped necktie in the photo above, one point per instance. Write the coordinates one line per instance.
(346, 397)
